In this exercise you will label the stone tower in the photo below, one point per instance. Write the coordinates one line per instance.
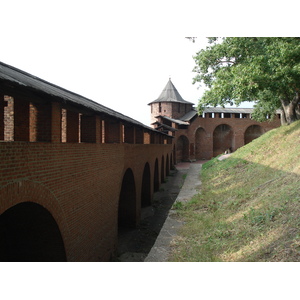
(169, 104)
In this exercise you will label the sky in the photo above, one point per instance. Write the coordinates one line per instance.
(118, 53)
(114, 53)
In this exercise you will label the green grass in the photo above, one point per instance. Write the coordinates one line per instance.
(249, 205)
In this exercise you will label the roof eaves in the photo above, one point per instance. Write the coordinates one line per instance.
(18, 77)
(174, 120)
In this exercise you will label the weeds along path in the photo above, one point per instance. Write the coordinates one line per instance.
(135, 244)
(249, 205)
(191, 186)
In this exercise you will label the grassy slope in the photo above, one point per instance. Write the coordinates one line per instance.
(249, 207)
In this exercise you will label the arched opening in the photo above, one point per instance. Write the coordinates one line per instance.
(222, 139)
(29, 233)
(200, 137)
(174, 157)
(156, 176)
(146, 190)
(167, 166)
(127, 201)
(252, 132)
(162, 170)
(182, 152)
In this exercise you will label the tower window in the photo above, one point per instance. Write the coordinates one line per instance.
(159, 107)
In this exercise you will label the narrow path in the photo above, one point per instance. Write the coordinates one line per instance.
(135, 244)
(151, 240)
(191, 186)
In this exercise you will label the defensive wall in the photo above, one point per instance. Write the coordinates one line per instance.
(72, 172)
(209, 136)
(204, 136)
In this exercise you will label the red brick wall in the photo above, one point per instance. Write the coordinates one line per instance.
(8, 118)
(79, 184)
(169, 109)
(72, 163)
(239, 126)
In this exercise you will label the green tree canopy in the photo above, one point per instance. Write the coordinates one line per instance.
(265, 70)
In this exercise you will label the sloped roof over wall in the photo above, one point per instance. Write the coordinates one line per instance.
(174, 120)
(18, 78)
(188, 116)
(170, 94)
(230, 110)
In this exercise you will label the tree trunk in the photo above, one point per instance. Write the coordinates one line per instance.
(290, 109)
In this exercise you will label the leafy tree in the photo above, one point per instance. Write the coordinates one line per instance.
(265, 70)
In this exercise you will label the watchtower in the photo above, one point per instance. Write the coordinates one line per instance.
(169, 104)
(207, 135)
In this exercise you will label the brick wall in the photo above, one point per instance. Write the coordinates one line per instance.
(79, 184)
(8, 118)
(72, 163)
(169, 109)
(201, 134)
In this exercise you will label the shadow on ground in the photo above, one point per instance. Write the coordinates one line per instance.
(135, 244)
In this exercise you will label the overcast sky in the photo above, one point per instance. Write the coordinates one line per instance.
(118, 53)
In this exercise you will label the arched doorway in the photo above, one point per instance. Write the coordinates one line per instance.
(252, 132)
(127, 201)
(162, 170)
(222, 139)
(167, 166)
(200, 137)
(182, 151)
(29, 233)
(146, 190)
(173, 163)
(156, 176)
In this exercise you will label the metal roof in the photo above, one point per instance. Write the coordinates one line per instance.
(190, 115)
(234, 110)
(20, 78)
(174, 120)
(170, 94)
(169, 128)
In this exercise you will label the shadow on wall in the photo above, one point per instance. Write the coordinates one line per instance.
(182, 150)
(29, 233)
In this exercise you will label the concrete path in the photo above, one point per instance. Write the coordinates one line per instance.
(192, 184)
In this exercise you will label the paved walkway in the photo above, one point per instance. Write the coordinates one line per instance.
(192, 184)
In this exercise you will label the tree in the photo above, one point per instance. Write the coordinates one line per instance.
(265, 70)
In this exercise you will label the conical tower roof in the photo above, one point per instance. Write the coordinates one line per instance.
(170, 94)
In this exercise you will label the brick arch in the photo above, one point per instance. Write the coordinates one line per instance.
(182, 148)
(162, 169)
(146, 187)
(24, 192)
(167, 165)
(222, 139)
(252, 132)
(174, 156)
(200, 143)
(127, 216)
(28, 232)
(156, 176)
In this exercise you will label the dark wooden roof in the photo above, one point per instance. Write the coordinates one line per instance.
(180, 122)
(170, 94)
(18, 79)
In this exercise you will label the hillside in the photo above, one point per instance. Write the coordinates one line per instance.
(249, 206)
